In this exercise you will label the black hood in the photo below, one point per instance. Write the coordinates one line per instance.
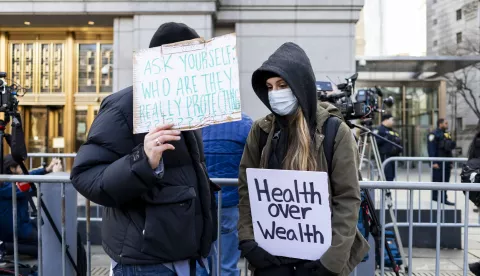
(291, 63)
(172, 32)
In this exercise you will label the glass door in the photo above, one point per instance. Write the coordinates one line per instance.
(84, 116)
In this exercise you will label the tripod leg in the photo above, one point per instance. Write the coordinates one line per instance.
(398, 238)
(376, 233)
(378, 160)
(361, 145)
(388, 197)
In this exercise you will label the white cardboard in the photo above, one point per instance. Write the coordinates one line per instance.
(292, 211)
(191, 84)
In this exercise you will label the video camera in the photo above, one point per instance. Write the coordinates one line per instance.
(365, 104)
(8, 95)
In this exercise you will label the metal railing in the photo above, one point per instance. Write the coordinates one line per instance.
(419, 176)
(403, 185)
(42, 156)
(97, 214)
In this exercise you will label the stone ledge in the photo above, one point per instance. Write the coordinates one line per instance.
(106, 7)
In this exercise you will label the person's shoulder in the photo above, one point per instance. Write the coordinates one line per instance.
(121, 100)
(432, 135)
(247, 120)
(264, 123)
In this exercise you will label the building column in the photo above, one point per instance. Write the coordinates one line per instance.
(122, 52)
(4, 52)
(442, 100)
(69, 109)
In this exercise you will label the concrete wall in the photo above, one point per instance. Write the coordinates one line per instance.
(330, 47)
(324, 28)
(444, 33)
(447, 25)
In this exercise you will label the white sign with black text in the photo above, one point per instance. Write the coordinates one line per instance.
(290, 212)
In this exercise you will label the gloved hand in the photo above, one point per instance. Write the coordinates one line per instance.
(318, 269)
(257, 256)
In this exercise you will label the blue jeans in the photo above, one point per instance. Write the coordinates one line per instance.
(142, 270)
(229, 245)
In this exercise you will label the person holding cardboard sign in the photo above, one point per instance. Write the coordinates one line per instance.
(160, 214)
(291, 139)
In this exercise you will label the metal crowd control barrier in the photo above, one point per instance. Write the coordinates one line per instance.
(43, 156)
(419, 177)
(402, 185)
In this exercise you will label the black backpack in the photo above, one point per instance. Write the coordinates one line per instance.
(471, 174)
(331, 126)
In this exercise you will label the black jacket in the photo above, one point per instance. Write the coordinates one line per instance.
(148, 219)
(387, 149)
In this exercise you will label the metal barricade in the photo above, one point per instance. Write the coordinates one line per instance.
(39, 179)
(382, 186)
(424, 173)
(427, 186)
(410, 187)
(64, 156)
(43, 156)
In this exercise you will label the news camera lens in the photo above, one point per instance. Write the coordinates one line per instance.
(389, 101)
(1, 83)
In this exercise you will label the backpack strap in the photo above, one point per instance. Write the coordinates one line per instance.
(330, 126)
(329, 130)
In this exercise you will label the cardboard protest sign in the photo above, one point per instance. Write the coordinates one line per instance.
(290, 212)
(191, 84)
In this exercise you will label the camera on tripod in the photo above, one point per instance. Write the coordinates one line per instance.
(8, 95)
(366, 100)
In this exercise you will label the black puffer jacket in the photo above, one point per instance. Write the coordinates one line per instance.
(148, 219)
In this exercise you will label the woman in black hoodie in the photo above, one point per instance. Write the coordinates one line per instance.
(291, 139)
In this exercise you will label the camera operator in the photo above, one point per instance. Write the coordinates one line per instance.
(27, 231)
(386, 149)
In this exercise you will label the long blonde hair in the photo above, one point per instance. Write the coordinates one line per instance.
(301, 153)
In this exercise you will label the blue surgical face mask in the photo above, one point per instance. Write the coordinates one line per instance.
(283, 102)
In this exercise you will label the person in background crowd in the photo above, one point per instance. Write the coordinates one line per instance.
(160, 216)
(386, 149)
(27, 229)
(440, 144)
(285, 83)
(224, 144)
(471, 174)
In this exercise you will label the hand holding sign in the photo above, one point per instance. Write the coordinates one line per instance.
(155, 143)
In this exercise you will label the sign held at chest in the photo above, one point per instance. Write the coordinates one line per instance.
(190, 84)
(290, 212)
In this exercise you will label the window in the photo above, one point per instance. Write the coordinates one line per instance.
(459, 123)
(81, 128)
(95, 67)
(459, 37)
(459, 14)
(37, 66)
(435, 21)
(435, 43)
